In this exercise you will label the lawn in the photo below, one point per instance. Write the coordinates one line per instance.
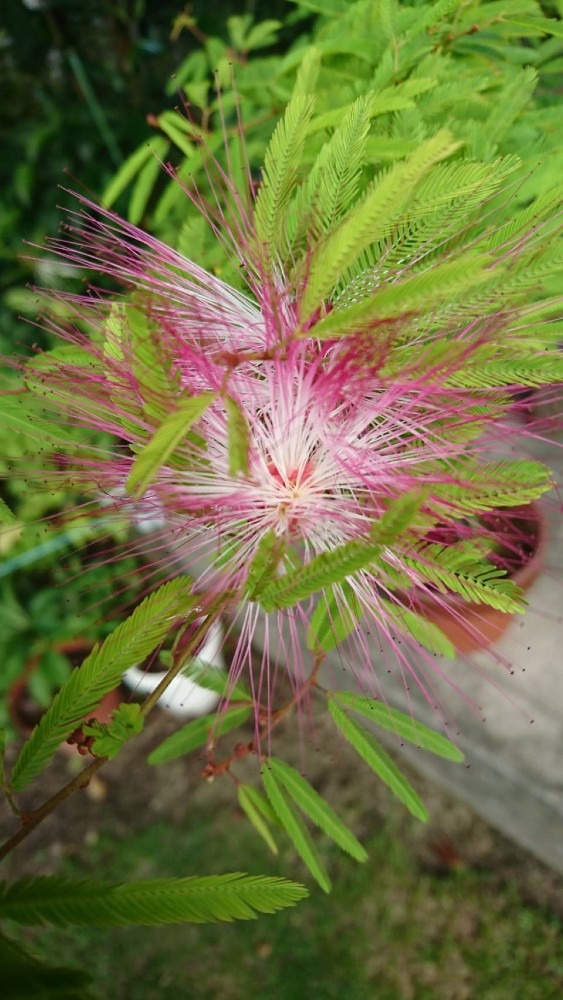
(450, 911)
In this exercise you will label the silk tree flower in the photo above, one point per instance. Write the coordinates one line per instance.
(307, 443)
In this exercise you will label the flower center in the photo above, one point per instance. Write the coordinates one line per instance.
(293, 479)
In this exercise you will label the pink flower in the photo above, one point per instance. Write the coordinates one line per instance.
(338, 429)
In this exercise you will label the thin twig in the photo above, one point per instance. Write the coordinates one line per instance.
(32, 820)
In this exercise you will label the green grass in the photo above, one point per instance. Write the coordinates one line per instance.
(387, 932)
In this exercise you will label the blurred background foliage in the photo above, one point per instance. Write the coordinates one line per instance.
(79, 79)
(90, 91)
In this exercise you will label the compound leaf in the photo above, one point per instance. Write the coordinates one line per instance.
(379, 761)
(397, 722)
(130, 643)
(198, 733)
(316, 808)
(295, 828)
(88, 902)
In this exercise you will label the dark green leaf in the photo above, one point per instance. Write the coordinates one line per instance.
(87, 902)
(198, 734)
(25, 977)
(2, 751)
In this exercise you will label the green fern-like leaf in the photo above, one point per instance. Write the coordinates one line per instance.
(398, 517)
(397, 722)
(516, 372)
(453, 571)
(255, 816)
(379, 761)
(127, 722)
(86, 902)
(368, 220)
(330, 568)
(295, 828)
(281, 165)
(510, 101)
(199, 733)
(332, 184)
(385, 101)
(316, 808)
(502, 484)
(322, 571)
(421, 292)
(164, 442)
(262, 569)
(131, 334)
(508, 234)
(101, 671)
(432, 15)
(25, 977)
(444, 202)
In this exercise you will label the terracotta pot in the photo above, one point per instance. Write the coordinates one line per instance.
(477, 626)
(24, 711)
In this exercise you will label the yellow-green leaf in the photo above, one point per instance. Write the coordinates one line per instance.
(379, 761)
(164, 442)
(402, 725)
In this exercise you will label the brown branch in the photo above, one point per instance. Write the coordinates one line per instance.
(29, 821)
(214, 769)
